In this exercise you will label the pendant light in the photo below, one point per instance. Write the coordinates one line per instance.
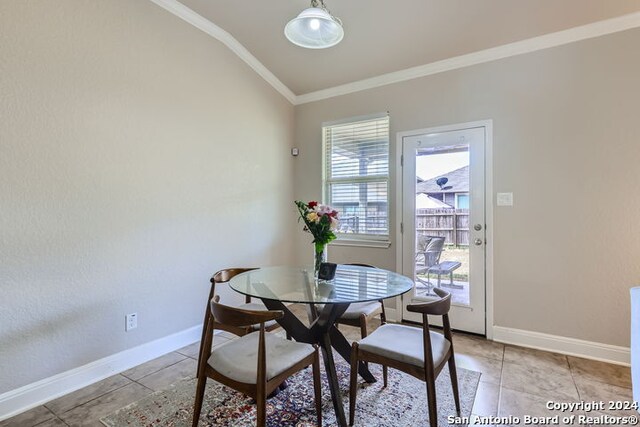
(315, 28)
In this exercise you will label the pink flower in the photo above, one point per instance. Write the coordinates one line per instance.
(334, 224)
(324, 210)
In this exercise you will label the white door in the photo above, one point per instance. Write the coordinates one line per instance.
(443, 220)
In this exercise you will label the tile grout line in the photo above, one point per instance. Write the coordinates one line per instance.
(504, 350)
(86, 401)
(597, 379)
(148, 388)
(573, 378)
(155, 372)
(91, 400)
(55, 417)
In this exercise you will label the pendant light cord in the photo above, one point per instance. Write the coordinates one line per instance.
(320, 4)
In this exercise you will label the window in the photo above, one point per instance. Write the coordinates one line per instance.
(356, 176)
(462, 201)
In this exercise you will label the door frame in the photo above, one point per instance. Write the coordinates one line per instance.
(488, 170)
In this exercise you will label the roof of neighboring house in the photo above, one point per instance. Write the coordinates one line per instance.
(424, 201)
(458, 182)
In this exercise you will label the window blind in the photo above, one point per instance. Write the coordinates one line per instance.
(356, 161)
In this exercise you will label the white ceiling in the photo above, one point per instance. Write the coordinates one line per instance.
(383, 36)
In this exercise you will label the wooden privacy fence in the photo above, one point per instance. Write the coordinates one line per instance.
(452, 224)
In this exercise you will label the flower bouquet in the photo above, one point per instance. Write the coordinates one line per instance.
(321, 221)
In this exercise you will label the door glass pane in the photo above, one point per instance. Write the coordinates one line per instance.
(442, 220)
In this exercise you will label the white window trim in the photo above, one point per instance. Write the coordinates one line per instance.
(356, 119)
(362, 242)
(359, 240)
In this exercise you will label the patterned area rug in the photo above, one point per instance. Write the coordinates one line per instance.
(402, 403)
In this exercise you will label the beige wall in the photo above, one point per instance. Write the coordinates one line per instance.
(137, 156)
(565, 143)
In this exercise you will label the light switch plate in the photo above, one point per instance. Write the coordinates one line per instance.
(504, 199)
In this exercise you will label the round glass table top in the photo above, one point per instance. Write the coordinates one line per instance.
(297, 285)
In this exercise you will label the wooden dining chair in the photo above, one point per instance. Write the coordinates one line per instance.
(421, 353)
(360, 312)
(221, 277)
(238, 365)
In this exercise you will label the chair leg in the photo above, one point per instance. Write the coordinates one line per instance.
(431, 401)
(383, 315)
(317, 391)
(454, 382)
(201, 351)
(207, 318)
(363, 325)
(261, 416)
(385, 375)
(197, 406)
(353, 384)
(363, 331)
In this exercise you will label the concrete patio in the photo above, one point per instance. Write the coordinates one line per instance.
(459, 291)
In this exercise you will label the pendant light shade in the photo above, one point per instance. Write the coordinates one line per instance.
(314, 28)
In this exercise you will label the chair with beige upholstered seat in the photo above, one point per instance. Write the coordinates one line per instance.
(404, 348)
(223, 276)
(359, 313)
(254, 364)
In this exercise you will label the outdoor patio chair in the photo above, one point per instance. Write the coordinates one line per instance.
(428, 256)
(421, 353)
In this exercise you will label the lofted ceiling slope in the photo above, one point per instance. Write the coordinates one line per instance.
(383, 36)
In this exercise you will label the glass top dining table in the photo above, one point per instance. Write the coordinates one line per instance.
(279, 286)
(351, 284)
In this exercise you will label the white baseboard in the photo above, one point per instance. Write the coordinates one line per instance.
(563, 345)
(31, 395)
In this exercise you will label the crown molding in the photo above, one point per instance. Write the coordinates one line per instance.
(583, 32)
(203, 24)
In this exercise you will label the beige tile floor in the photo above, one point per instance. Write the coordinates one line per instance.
(515, 381)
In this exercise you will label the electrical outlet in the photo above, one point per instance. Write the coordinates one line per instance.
(130, 321)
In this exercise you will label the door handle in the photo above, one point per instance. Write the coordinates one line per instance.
(478, 241)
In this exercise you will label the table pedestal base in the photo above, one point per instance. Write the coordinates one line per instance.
(324, 333)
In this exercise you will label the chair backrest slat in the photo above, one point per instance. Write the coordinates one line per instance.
(357, 264)
(438, 307)
(237, 317)
(225, 275)
(433, 251)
